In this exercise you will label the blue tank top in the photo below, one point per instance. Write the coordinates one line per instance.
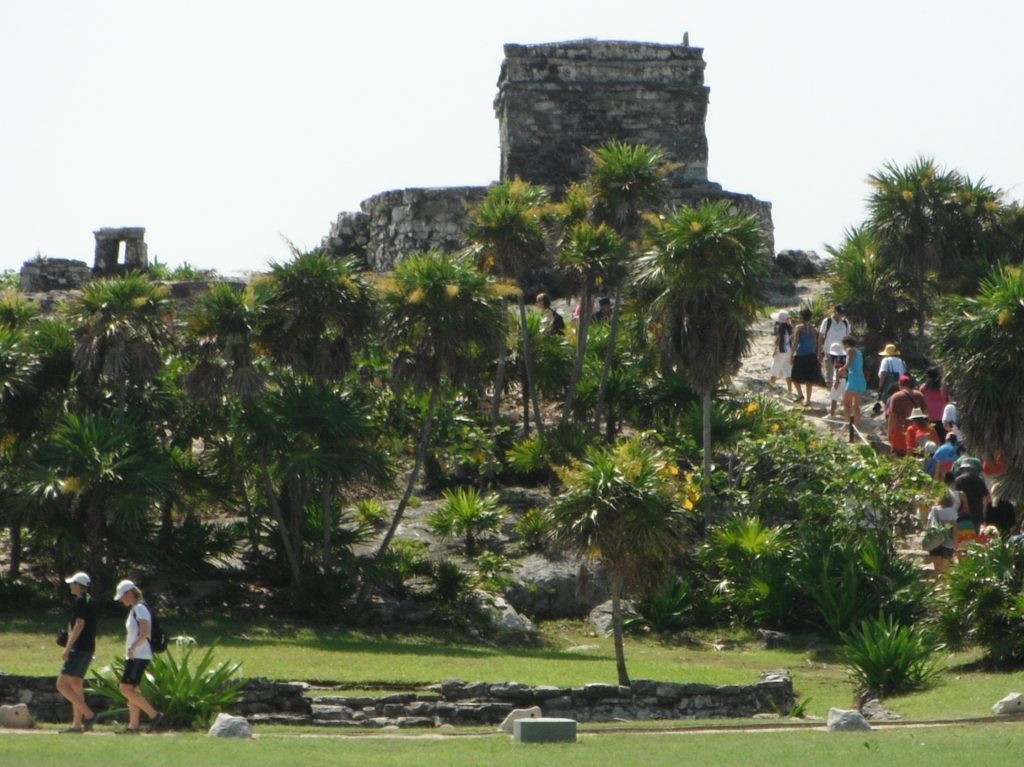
(807, 343)
(855, 374)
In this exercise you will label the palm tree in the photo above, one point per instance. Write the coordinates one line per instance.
(593, 253)
(908, 210)
(508, 227)
(314, 311)
(979, 342)
(621, 507)
(445, 325)
(121, 327)
(705, 272)
(870, 288)
(628, 181)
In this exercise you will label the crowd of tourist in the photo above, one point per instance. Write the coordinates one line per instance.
(921, 422)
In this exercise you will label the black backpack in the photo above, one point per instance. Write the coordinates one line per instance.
(157, 636)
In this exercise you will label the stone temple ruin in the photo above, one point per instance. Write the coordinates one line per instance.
(48, 274)
(554, 101)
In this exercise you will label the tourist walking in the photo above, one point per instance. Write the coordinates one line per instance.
(837, 360)
(856, 383)
(935, 398)
(553, 319)
(898, 409)
(137, 654)
(79, 649)
(889, 371)
(805, 355)
(833, 330)
(943, 517)
(782, 364)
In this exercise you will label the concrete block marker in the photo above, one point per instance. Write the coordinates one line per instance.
(544, 730)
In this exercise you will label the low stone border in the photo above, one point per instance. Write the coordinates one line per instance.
(455, 702)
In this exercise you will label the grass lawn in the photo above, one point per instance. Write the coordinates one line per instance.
(925, 747)
(568, 656)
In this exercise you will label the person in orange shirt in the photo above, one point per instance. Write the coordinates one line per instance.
(919, 431)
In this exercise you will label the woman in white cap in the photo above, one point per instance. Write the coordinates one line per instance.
(782, 365)
(137, 655)
(78, 651)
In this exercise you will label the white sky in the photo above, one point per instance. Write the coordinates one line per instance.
(223, 126)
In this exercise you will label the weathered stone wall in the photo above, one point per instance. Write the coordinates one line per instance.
(395, 224)
(459, 703)
(41, 275)
(557, 99)
(456, 702)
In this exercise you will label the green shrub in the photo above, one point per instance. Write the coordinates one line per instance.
(492, 569)
(982, 603)
(665, 610)
(886, 657)
(451, 583)
(187, 695)
(466, 514)
(532, 529)
(370, 513)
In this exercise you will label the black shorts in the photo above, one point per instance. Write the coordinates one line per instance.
(134, 668)
(76, 664)
(942, 551)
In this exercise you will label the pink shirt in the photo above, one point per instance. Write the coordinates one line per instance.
(935, 400)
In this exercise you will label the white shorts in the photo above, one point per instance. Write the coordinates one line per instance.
(836, 392)
(782, 366)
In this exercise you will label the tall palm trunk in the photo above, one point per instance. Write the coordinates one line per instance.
(14, 567)
(609, 357)
(421, 454)
(706, 407)
(282, 525)
(620, 652)
(528, 363)
(581, 349)
(326, 557)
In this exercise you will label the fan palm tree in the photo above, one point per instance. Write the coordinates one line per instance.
(870, 288)
(628, 182)
(979, 342)
(121, 327)
(445, 325)
(621, 506)
(507, 226)
(909, 210)
(705, 272)
(314, 310)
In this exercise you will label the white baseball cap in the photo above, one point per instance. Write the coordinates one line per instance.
(80, 578)
(123, 588)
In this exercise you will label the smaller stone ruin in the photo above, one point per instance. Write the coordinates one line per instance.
(108, 249)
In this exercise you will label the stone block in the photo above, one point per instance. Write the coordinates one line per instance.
(533, 712)
(16, 716)
(544, 730)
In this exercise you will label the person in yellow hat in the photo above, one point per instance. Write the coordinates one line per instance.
(890, 369)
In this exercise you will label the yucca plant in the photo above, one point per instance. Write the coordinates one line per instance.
(886, 657)
(466, 514)
(188, 694)
(532, 529)
(665, 610)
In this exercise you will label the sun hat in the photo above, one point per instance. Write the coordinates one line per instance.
(80, 578)
(890, 350)
(780, 316)
(917, 413)
(836, 349)
(123, 588)
(968, 463)
(930, 447)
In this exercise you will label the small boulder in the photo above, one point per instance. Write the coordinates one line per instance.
(227, 726)
(874, 711)
(1011, 704)
(533, 712)
(504, 617)
(771, 639)
(840, 720)
(16, 716)
(601, 616)
(800, 263)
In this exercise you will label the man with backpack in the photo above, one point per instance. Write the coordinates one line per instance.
(834, 329)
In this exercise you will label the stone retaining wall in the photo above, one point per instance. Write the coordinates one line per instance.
(455, 702)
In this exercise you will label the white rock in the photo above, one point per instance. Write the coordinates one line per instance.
(504, 617)
(515, 715)
(1011, 704)
(17, 716)
(840, 720)
(227, 726)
